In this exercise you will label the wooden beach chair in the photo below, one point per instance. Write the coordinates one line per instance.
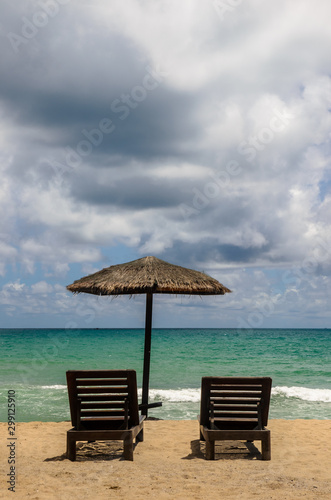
(235, 408)
(103, 406)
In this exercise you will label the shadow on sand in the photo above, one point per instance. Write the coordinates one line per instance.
(225, 450)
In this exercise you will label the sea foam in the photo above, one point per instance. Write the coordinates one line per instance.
(54, 386)
(304, 393)
(193, 395)
(174, 395)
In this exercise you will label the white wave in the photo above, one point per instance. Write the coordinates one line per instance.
(304, 393)
(193, 395)
(53, 386)
(174, 396)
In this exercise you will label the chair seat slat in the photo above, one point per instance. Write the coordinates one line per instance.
(231, 406)
(234, 399)
(103, 419)
(102, 397)
(231, 411)
(105, 381)
(105, 404)
(96, 413)
(229, 394)
(235, 419)
(235, 387)
(102, 390)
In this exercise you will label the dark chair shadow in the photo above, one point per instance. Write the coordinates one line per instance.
(225, 450)
(94, 451)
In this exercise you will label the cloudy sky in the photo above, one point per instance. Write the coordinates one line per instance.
(198, 132)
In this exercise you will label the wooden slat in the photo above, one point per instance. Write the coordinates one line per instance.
(235, 387)
(236, 400)
(102, 390)
(95, 413)
(98, 382)
(235, 410)
(228, 405)
(102, 397)
(102, 419)
(115, 374)
(107, 409)
(106, 404)
(234, 414)
(235, 419)
(242, 394)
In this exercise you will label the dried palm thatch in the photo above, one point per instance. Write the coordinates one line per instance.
(148, 275)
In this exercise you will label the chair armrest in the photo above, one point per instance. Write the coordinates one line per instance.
(259, 416)
(142, 406)
(142, 418)
(78, 414)
(212, 415)
(126, 413)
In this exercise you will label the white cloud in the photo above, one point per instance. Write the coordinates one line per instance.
(16, 287)
(42, 287)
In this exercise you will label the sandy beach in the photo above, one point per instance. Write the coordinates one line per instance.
(170, 464)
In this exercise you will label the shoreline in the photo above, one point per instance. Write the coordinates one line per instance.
(170, 464)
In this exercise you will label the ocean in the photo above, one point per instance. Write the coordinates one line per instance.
(33, 363)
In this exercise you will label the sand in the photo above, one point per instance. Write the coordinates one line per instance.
(169, 464)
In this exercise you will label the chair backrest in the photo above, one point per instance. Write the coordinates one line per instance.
(235, 401)
(105, 397)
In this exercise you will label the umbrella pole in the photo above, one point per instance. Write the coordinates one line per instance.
(147, 352)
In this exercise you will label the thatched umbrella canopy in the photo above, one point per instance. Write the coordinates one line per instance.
(148, 275)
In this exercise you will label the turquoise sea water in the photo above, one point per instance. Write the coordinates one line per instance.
(33, 364)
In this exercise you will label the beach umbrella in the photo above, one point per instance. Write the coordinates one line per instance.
(148, 275)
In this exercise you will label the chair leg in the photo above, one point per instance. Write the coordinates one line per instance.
(71, 448)
(140, 436)
(128, 448)
(266, 446)
(210, 450)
